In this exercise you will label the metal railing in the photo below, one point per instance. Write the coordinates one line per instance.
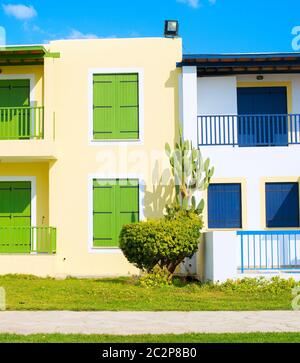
(249, 130)
(269, 250)
(21, 123)
(28, 240)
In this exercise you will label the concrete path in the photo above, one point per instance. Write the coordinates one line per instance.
(148, 322)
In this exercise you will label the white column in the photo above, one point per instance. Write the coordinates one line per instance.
(189, 104)
(221, 256)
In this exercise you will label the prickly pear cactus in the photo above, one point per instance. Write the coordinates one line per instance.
(191, 173)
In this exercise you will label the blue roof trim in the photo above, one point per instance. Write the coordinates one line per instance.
(240, 55)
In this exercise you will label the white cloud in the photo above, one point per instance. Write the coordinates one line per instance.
(76, 34)
(192, 3)
(21, 12)
(195, 3)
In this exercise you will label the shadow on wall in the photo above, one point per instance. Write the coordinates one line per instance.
(172, 82)
(161, 194)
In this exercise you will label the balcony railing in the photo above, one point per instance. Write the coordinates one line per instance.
(21, 123)
(269, 250)
(28, 240)
(249, 130)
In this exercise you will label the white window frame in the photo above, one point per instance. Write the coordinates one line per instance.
(91, 73)
(91, 178)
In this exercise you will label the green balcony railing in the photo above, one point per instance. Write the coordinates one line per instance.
(21, 123)
(28, 240)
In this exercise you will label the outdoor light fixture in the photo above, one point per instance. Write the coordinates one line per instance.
(260, 78)
(171, 28)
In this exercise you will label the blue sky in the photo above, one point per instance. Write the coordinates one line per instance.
(206, 26)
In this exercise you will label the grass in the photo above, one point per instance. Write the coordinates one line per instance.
(121, 294)
(184, 338)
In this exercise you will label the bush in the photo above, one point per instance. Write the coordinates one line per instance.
(274, 285)
(159, 277)
(166, 242)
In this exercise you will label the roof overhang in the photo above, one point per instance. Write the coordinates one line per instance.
(24, 55)
(229, 64)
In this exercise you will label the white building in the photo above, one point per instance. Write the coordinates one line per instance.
(243, 111)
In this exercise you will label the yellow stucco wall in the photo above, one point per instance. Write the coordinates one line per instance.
(66, 95)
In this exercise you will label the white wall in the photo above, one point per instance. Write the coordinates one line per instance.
(188, 102)
(252, 164)
(217, 95)
(221, 256)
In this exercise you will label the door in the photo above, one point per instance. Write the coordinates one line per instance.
(15, 123)
(263, 119)
(15, 217)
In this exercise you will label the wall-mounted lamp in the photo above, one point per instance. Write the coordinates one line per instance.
(171, 28)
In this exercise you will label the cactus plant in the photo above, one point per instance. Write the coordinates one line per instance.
(191, 173)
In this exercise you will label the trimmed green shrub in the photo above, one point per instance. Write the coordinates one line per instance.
(165, 242)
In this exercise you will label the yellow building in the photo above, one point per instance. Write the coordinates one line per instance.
(83, 125)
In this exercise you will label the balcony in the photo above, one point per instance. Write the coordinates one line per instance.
(249, 130)
(26, 240)
(21, 123)
(269, 251)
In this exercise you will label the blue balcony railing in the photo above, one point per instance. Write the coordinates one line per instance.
(269, 250)
(249, 130)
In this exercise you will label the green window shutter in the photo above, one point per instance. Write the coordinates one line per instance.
(127, 112)
(116, 202)
(128, 202)
(13, 122)
(20, 204)
(20, 93)
(5, 94)
(104, 213)
(104, 105)
(115, 106)
(5, 205)
(15, 93)
(15, 217)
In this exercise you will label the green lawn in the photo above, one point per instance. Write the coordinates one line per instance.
(30, 293)
(184, 338)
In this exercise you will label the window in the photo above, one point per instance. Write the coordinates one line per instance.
(224, 206)
(115, 203)
(282, 205)
(263, 119)
(116, 106)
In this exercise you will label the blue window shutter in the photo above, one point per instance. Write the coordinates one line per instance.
(262, 100)
(269, 127)
(282, 205)
(224, 206)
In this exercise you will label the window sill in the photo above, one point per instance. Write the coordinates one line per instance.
(106, 250)
(116, 141)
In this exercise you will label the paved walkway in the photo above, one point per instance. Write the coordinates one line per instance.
(148, 322)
